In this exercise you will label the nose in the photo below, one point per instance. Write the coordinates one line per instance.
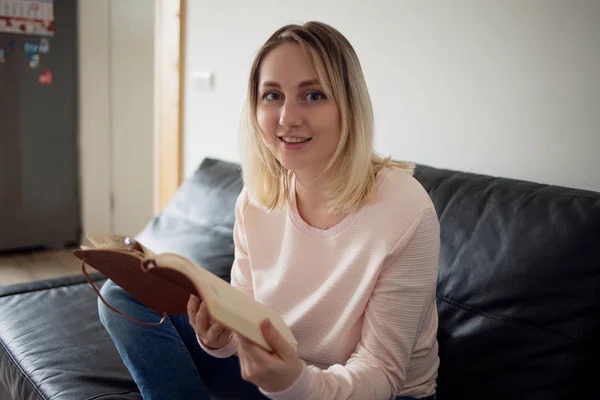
(290, 115)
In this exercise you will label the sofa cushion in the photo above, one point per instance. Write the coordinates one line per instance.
(518, 287)
(53, 346)
(198, 221)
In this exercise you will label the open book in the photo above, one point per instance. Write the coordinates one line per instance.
(164, 282)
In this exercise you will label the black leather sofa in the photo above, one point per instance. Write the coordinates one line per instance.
(518, 292)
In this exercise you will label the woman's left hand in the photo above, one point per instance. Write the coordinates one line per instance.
(272, 372)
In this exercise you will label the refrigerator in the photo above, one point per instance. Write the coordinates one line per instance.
(39, 175)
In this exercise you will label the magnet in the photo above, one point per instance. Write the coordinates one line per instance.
(10, 48)
(31, 48)
(34, 61)
(44, 46)
(46, 78)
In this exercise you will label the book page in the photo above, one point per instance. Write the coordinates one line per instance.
(115, 241)
(108, 241)
(226, 304)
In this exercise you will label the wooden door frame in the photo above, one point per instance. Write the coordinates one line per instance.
(170, 41)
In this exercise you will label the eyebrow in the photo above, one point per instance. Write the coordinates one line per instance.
(301, 85)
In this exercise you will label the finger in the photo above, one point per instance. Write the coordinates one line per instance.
(193, 304)
(202, 319)
(253, 353)
(225, 335)
(244, 368)
(242, 344)
(215, 331)
(245, 352)
(192, 309)
(278, 343)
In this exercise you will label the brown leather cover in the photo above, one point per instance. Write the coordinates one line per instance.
(160, 289)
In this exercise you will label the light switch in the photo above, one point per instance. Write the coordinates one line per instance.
(203, 81)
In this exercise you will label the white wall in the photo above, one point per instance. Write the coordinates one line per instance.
(508, 88)
(116, 124)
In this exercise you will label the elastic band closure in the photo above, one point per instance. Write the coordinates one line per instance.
(164, 314)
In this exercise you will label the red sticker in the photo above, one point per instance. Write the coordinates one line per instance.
(46, 78)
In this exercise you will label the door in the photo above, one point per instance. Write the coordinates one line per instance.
(132, 111)
(117, 114)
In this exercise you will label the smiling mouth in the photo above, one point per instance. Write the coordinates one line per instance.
(294, 140)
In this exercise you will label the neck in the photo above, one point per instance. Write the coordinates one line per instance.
(312, 203)
(311, 188)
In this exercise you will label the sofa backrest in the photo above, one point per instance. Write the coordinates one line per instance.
(518, 287)
(518, 284)
(198, 221)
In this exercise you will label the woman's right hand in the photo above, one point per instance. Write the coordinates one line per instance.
(212, 334)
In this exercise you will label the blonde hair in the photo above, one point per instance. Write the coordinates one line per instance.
(355, 163)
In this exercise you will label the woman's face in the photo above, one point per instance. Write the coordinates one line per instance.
(300, 125)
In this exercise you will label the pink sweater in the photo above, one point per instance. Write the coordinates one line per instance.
(359, 297)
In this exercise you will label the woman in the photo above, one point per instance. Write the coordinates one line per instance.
(342, 243)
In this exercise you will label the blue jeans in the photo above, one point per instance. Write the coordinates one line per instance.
(166, 361)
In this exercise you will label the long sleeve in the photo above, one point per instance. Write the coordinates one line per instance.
(241, 276)
(400, 310)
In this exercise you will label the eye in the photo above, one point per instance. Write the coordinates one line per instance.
(315, 96)
(271, 96)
